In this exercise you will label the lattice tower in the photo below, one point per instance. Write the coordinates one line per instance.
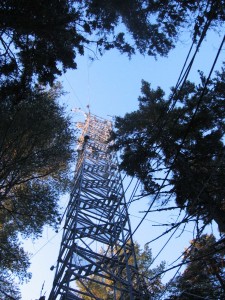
(97, 244)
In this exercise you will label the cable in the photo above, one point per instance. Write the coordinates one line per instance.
(88, 80)
(155, 222)
(181, 144)
(32, 256)
(170, 282)
(186, 133)
(199, 297)
(180, 79)
(183, 77)
(170, 168)
(74, 92)
(138, 182)
(186, 262)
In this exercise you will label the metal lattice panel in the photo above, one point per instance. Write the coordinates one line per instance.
(97, 235)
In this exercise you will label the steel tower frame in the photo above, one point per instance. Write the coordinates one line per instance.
(97, 238)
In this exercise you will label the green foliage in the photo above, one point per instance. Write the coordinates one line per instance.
(44, 40)
(186, 141)
(13, 264)
(35, 152)
(37, 43)
(8, 289)
(144, 262)
(42, 35)
(204, 274)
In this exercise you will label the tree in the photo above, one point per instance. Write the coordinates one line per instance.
(44, 40)
(8, 288)
(144, 261)
(35, 150)
(203, 277)
(37, 43)
(178, 152)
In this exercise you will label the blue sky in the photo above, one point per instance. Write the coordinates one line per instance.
(111, 86)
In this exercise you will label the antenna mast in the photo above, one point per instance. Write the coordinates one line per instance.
(97, 245)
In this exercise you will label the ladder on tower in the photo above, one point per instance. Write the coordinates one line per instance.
(97, 245)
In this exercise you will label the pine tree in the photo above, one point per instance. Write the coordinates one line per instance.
(203, 277)
(45, 40)
(186, 141)
(35, 150)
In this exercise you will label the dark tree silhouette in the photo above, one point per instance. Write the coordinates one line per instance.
(35, 152)
(44, 40)
(203, 277)
(186, 143)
